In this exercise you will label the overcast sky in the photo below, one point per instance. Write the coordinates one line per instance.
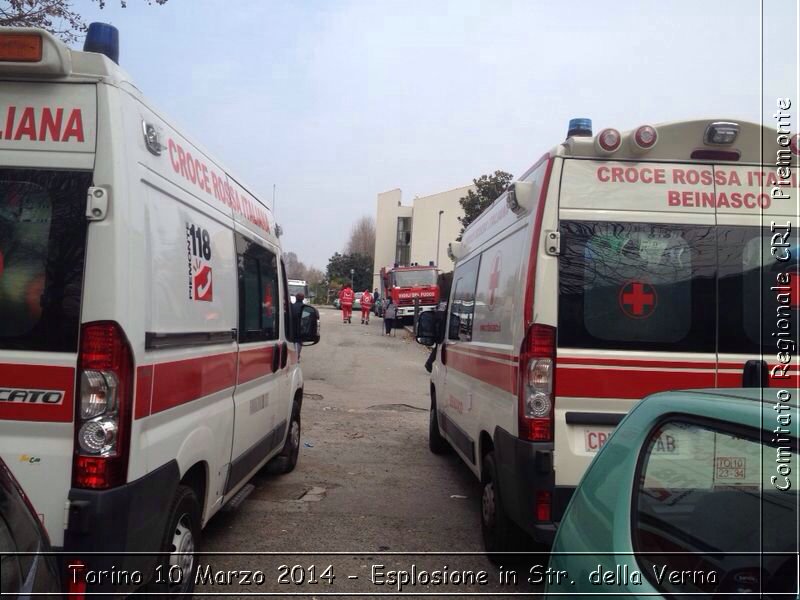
(334, 101)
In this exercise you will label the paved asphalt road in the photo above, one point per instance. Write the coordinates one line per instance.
(365, 482)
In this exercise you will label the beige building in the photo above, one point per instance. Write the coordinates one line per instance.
(409, 234)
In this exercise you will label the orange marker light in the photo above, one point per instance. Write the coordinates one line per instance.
(20, 47)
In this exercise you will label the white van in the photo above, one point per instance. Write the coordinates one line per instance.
(617, 266)
(298, 286)
(146, 364)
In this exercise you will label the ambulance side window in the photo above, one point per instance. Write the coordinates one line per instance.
(287, 307)
(258, 292)
(462, 310)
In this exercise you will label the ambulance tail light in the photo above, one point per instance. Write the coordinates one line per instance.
(76, 580)
(20, 47)
(103, 411)
(608, 141)
(544, 502)
(645, 137)
(714, 155)
(537, 384)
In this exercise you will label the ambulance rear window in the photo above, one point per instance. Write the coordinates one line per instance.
(638, 286)
(42, 251)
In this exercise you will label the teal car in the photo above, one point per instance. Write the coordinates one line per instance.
(696, 492)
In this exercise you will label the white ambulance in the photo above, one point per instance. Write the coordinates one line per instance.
(146, 364)
(618, 265)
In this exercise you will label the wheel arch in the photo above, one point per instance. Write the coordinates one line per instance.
(196, 478)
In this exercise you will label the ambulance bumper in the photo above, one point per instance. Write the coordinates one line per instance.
(119, 521)
(408, 311)
(525, 468)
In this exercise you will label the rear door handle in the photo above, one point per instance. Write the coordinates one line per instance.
(276, 358)
(754, 374)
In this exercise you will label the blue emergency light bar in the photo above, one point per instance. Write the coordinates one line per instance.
(103, 39)
(580, 128)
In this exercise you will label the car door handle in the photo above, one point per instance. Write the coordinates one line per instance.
(284, 354)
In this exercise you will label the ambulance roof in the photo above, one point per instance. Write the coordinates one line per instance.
(685, 141)
(60, 63)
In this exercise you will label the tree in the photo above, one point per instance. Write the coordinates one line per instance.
(55, 16)
(362, 237)
(295, 269)
(339, 266)
(487, 189)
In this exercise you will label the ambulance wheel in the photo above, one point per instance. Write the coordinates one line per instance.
(500, 533)
(175, 575)
(436, 442)
(286, 461)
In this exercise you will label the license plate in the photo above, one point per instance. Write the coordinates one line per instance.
(594, 439)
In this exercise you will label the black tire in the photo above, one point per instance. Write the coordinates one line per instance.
(500, 533)
(286, 461)
(436, 442)
(181, 535)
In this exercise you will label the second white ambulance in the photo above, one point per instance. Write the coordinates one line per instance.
(619, 265)
(147, 368)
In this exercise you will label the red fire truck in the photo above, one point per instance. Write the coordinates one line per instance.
(404, 284)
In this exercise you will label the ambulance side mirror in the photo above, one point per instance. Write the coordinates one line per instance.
(426, 328)
(309, 326)
(430, 327)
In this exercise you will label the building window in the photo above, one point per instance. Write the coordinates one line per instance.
(402, 255)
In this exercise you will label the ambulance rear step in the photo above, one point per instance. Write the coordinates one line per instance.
(238, 498)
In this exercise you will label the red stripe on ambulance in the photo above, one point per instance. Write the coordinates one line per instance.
(176, 383)
(255, 363)
(503, 376)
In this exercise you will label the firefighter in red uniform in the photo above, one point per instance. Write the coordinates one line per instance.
(346, 297)
(366, 307)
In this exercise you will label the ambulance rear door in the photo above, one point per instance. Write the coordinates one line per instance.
(637, 297)
(759, 250)
(47, 150)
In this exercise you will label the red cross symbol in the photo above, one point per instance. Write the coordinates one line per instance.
(494, 279)
(638, 300)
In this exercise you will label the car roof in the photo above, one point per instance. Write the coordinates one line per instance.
(747, 406)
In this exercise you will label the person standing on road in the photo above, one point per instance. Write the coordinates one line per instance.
(296, 312)
(346, 297)
(389, 316)
(366, 307)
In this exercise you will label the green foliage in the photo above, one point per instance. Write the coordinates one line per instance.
(339, 266)
(56, 16)
(487, 189)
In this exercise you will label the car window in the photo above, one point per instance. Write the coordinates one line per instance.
(707, 493)
(11, 578)
(643, 286)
